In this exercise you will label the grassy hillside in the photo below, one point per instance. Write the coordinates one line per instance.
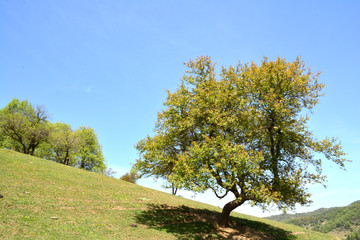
(338, 220)
(47, 200)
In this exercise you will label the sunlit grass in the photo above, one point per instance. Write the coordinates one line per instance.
(47, 200)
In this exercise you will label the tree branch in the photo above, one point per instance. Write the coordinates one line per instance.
(220, 197)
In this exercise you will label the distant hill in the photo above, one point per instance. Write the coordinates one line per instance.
(338, 220)
(47, 200)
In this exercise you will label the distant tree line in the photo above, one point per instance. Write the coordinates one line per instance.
(26, 129)
(326, 220)
(339, 219)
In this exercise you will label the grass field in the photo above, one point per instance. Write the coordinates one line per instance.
(47, 200)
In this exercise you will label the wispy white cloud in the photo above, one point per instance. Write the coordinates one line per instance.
(88, 89)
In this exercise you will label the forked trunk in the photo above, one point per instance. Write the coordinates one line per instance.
(227, 209)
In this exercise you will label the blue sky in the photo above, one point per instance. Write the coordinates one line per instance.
(108, 64)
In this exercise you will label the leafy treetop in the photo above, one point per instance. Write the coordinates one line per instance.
(243, 132)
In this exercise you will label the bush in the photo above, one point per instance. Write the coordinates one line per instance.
(130, 177)
(354, 235)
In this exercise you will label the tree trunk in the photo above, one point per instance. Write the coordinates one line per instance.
(66, 159)
(173, 189)
(227, 209)
(32, 150)
(25, 149)
(82, 164)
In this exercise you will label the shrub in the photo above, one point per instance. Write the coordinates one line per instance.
(130, 177)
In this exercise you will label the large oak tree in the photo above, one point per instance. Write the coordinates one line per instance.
(244, 132)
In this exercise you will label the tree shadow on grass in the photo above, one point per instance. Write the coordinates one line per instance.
(192, 223)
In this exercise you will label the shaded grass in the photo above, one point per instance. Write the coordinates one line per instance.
(193, 223)
(47, 200)
(182, 221)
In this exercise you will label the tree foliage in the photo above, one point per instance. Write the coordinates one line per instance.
(243, 132)
(62, 146)
(90, 156)
(354, 235)
(79, 148)
(131, 176)
(158, 147)
(23, 127)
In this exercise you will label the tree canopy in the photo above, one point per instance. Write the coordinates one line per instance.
(90, 155)
(62, 146)
(244, 132)
(23, 127)
(131, 176)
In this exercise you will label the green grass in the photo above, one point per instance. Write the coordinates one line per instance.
(47, 200)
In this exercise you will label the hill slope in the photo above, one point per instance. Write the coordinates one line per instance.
(47, 200)
(337, 220)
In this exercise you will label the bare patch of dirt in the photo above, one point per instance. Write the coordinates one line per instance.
(119, 208)
(67, 208)
(242, 233)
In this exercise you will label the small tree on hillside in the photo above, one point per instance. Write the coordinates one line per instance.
(110, 172)
(89, 154)
(243, 132)
(23, 127)
(130, 177)
(62, 146)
